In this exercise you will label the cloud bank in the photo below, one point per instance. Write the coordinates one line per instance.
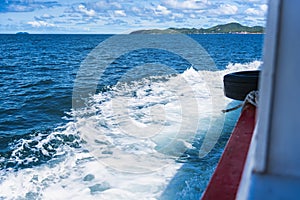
(119, 16)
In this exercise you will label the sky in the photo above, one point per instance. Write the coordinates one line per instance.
(124, 16)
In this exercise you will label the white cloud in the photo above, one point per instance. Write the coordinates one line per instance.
(260, 11)
(264, 7)
(192, 16)
(47, 16)
(225, 9)
(104, 5)
(228, 9)
(19, 8)
(161, 10)
(187, 4)
(252, 11)
(40, 24)
(135, 9)
(120, 13)
(99, 15)
(178, 15)
(84, 10)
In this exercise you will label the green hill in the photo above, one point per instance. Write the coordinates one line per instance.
(223, 28)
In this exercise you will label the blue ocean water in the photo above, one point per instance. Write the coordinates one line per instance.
(41, 142)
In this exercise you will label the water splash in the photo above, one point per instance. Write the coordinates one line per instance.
(56, 164)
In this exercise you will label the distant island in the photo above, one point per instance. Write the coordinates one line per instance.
(22, 33)
(233, 28)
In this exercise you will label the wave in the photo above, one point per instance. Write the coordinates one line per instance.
(232, 67)
(125, 144)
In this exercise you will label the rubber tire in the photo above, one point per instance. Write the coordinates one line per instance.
(238, 84)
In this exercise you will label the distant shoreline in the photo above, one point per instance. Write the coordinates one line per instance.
(130, 33)
(22, 33)
(111, 34)
(230, 28)
(234, 33)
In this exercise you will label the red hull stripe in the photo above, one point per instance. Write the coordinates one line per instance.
(226, 178)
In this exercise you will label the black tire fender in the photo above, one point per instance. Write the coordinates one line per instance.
(238, 84)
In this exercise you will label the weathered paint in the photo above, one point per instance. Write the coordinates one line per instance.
(226, 178)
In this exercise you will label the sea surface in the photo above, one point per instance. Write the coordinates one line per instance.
(116, 117)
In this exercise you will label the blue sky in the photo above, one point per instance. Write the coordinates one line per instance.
(123, 16)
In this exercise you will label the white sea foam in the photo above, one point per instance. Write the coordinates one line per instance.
(133, 134)
(231, 67)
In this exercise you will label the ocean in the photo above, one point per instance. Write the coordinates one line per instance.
(116, 116)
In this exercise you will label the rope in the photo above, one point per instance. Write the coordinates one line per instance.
(251, 98)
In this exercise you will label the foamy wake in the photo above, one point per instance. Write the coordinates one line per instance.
(130, 137)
